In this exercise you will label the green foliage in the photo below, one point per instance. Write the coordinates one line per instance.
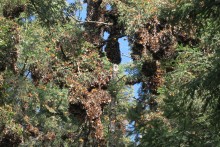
(49, 12)
(8, 40)
(134, 13)
(189, 99)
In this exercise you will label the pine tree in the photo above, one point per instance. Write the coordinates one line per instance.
(62, 83)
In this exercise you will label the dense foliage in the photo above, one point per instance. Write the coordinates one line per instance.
(63, 84)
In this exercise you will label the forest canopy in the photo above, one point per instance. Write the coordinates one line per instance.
(62, 82)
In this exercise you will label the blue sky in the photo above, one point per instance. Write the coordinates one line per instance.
(124, 46)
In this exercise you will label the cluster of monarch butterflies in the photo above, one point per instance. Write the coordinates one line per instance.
(87, 103)
(10, 138)
(9, 54)
(154, 42)
(154, 38)
(153, 70)
(115, 31)
(13, 11)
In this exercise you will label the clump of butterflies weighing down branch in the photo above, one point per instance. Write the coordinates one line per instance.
(63, 84)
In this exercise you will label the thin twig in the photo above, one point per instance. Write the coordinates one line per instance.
(103, 43)
(27, 74)
(89, 21)
(120, 79)
(23, 69)
(125, 55)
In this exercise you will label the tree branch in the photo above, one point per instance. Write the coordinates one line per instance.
(89, 21)
(109, 39)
